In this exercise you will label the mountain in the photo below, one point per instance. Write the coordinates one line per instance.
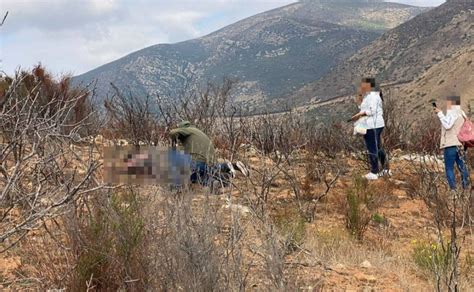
(428, 56)
(271, 54)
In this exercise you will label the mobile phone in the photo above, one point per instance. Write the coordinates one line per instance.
(434, 104)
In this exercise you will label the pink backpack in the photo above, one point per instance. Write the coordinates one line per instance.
(466, 135)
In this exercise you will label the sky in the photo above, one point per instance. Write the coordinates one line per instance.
(75, 36)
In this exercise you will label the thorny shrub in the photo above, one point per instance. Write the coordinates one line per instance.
(133, 119)
(41, 173)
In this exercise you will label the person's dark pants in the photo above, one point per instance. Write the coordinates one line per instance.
(452, 155)
(203, 174)
(377, 155)
(199, 173)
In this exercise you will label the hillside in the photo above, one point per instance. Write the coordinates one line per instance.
(272, 54)
(436, 45)
(302, 218)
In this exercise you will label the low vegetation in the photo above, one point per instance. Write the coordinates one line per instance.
(303, 219)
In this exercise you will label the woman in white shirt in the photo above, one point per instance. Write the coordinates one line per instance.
(371, 109)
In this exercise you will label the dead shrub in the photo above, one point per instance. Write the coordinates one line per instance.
(194, 245)
(424, 135)
(202, 106)
(133, 119)
(333, 139)
(275, 135)
(40, 172)
(452, 213)
(314, 185)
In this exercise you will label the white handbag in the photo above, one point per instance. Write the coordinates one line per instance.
(360, 126)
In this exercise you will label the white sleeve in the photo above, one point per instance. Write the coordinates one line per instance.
(447, 121)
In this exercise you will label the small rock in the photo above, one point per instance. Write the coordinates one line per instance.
(339, 266)
(365, 278)
(366, 264)
(238, 208)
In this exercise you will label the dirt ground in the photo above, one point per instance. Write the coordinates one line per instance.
(328, 257)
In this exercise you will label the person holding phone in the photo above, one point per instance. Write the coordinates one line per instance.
(451, 124)
(371, 108)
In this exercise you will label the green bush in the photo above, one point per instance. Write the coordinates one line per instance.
(108, 243)
(432, 257)
(291, 225)
(379, 219)
(360, 197)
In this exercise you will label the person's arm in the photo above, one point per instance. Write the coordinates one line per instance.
(447, 121)
(179, 133)
(367, 107)
(358, 116)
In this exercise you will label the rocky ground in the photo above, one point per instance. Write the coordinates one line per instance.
(324, 254)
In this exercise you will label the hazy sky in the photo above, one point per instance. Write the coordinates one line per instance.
(74, 36)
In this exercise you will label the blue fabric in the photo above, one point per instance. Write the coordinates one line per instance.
(377, 155)
(178, 164)
(452, 156)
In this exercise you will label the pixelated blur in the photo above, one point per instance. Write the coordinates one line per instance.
(146, 166)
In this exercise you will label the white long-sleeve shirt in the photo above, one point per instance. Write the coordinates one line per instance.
(372, 106)
(448, 120)
(451, 124)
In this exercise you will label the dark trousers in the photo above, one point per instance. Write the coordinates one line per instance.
(204, 174)
(376, 153)
(452, 156)
(199, 172)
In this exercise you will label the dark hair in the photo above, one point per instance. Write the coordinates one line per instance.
(454, 98)
(369, 80)
(381, 94)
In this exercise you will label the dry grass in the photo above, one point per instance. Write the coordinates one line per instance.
(282, 228)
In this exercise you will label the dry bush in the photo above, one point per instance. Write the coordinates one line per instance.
(286, 139)
(186, 255)
(133, 119)
(197, 243)
(421, 135)
(424, 135)
(46, 259)
(98, 244)
(201, 106)
(274, 258)
(396, 129)
(276, 135)
(41, 173)
(334, 139)
(452, 213)
(311, 187)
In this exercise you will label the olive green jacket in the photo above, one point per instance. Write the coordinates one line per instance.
(195, 143)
